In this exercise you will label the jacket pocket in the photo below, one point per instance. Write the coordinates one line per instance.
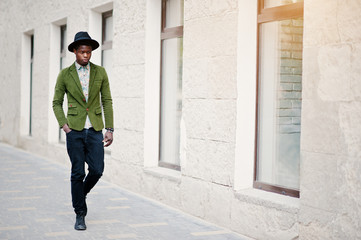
(72, 110)
(98, 110)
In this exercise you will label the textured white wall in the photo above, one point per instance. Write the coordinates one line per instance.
(205, 187)
(218, 80)
(331, 115)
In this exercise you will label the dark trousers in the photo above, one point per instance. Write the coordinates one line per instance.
(84, 146)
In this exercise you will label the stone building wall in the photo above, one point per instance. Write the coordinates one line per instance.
(209, 184)
(331, 143)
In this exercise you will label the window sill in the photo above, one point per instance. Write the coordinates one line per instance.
(161, 172)
(269, 199)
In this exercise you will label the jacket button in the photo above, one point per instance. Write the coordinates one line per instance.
(71, 105)
(87, 109)
(83, 99)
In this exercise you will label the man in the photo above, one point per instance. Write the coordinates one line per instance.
(87, 89)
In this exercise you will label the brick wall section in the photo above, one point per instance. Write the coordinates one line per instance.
(290, 89)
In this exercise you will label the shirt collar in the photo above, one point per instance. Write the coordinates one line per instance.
(78, 66)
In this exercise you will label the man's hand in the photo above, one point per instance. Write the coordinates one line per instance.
(108, 139)
(66, 128)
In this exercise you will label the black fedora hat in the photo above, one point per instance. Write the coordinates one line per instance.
(83, 37)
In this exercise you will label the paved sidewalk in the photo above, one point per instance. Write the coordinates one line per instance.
(35, 203)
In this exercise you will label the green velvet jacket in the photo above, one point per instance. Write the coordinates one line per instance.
(99, 95)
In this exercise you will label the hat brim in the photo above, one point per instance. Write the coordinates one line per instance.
(93, 43)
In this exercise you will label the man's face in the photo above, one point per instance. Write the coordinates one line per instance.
(83, 54)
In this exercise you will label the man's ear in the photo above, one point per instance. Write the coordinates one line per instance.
(74, 51)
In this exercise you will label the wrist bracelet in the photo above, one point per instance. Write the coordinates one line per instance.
(110, 130)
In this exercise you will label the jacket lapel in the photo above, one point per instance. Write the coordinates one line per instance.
(93, 73)
(74, 74)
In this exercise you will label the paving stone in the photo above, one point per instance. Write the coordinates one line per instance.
(36, 204)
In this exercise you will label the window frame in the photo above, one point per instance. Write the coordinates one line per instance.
(31, 85)
(278, 13)
(62, 55)
(166, 33)
(62, 43)
(106, 44)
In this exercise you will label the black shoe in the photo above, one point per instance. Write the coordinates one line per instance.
(80, 223)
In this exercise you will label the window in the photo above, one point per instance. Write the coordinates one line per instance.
(275, 3)
(279, 96)
(27, 65)
(107, 41)
(101, 29)
(63, 49)
(31, 83)
(171, 83)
